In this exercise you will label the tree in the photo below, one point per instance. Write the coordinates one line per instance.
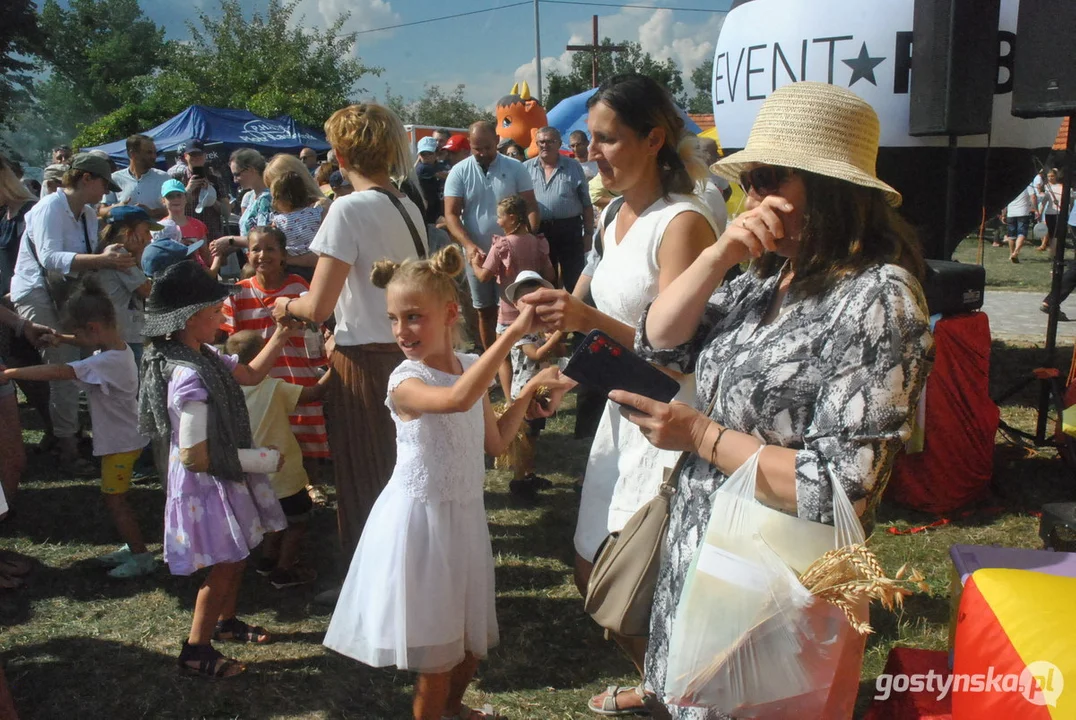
(702, 78)
(631, 60)
(438, 108)
(271, 65)
(20, 39)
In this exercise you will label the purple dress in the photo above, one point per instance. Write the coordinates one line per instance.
(206, 520)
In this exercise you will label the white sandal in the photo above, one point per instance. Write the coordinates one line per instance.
(609, 708)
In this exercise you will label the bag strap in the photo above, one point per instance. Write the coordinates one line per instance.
(86, 232)
(607, 220)
(419, 248)
(670, 483)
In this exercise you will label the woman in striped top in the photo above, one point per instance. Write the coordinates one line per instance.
(303, 359)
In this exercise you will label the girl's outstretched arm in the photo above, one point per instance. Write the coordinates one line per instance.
(413, 397)
(260, 366)
(501, 431)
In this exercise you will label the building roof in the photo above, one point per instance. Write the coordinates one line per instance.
(1062, 135)
(705, 121)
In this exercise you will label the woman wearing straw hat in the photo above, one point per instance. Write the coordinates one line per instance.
(818, 354)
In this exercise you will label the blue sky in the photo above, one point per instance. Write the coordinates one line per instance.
(487, 52)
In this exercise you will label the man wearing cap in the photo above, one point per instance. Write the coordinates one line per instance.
(472, 191)
(61, 239)
(560, 186)
(140, 182)
(52, 179)
(456, 149)
(431, 179)
(191, 170)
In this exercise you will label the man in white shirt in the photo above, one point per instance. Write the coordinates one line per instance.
(140, 182)
(1018, 216)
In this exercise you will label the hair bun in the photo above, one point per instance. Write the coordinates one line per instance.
(447, 261)
(382, 272)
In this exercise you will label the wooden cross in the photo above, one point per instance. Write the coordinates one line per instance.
(594, 50)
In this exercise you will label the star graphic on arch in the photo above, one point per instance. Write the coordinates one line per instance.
(863, 66)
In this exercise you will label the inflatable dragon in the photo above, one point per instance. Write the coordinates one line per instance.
(520, 117)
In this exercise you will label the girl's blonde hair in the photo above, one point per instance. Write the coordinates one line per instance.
(283, 164)
(515, 206)
(435, 276)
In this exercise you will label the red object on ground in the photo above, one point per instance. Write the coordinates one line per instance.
(933, 667)
(957, 461)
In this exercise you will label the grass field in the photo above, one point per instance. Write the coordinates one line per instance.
(78, 645)
(1031, 273)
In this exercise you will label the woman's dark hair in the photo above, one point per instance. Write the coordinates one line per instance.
(271, 231)
(642, 104)
(88, 303)
(846, 228)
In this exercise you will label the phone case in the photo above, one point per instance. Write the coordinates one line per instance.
(604, 364)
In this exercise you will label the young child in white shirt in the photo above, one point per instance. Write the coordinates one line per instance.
(269, 404)
(110, 379)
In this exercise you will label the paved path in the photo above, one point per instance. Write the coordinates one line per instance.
(1016, 316)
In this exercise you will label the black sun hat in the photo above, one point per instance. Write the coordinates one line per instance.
(178, 293)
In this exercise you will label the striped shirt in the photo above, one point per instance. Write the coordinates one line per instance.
(299, 227)
(565, 194)
(251, 309)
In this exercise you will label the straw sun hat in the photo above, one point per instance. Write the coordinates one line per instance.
(818, 128)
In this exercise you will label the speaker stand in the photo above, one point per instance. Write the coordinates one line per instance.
(1061, 235)
(950, 200)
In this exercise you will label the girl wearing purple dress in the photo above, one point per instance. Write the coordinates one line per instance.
(219, 501)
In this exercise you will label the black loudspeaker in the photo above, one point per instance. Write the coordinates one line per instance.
(952, 288)
(954, 66)
(1044, 75)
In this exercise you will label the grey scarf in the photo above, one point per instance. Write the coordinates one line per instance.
(228, 422)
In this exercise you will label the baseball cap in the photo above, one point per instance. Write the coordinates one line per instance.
(171, 186)
(457, 142)
(427, 144)
(132, 214)
(338, 180)
(194, 145)
(525, 276)
(96, 165)
(160, 255)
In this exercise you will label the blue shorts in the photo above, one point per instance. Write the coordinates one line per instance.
(1017, 226)
(483, 294)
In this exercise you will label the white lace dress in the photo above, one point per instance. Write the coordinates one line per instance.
(419, 592)
(624, 470)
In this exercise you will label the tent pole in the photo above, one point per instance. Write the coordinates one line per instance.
(538, 50)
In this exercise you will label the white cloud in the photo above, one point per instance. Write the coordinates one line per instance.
(689, 44)
(364, 15)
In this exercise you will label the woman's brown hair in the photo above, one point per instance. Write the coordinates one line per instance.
(846, 229)
(290, 192)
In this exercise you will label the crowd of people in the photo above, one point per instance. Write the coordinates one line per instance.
(330, 327)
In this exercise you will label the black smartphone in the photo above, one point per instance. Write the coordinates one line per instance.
(604, 364)
(198, 172)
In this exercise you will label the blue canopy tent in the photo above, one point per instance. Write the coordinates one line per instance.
(226, 130)
(570, 115)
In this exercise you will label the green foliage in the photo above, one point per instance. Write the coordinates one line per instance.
(20, 40)
(437, 107)
(630, 60)
(702, 78)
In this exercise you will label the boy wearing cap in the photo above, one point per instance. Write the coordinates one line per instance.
(431, 179)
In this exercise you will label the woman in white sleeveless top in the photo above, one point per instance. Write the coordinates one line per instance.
(660, 227)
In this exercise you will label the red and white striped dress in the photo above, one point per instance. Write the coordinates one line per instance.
(251, 309)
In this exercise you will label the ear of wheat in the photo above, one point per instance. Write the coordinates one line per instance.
(847, 575)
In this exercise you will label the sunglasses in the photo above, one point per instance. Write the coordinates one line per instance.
(765, 179)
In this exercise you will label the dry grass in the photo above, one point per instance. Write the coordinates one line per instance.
(78, 645)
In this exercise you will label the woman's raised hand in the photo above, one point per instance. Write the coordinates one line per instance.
(557, 385)
(558, 309)
(669, 426)
(116, 257)
(754, 231)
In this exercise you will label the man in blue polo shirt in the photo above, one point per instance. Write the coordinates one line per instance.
(472, 191)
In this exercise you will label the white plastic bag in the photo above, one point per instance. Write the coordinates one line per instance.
(748, 639)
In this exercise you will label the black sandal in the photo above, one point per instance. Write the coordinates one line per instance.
(211, 663)
(235, 630)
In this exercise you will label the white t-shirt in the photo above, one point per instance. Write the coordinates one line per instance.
(110, 379)
(360, 229)
(712, 197)
(146, 190)
(1023, 204)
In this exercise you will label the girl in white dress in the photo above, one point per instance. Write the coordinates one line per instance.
(419, 593)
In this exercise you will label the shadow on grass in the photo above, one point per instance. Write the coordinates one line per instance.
(83, 677)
